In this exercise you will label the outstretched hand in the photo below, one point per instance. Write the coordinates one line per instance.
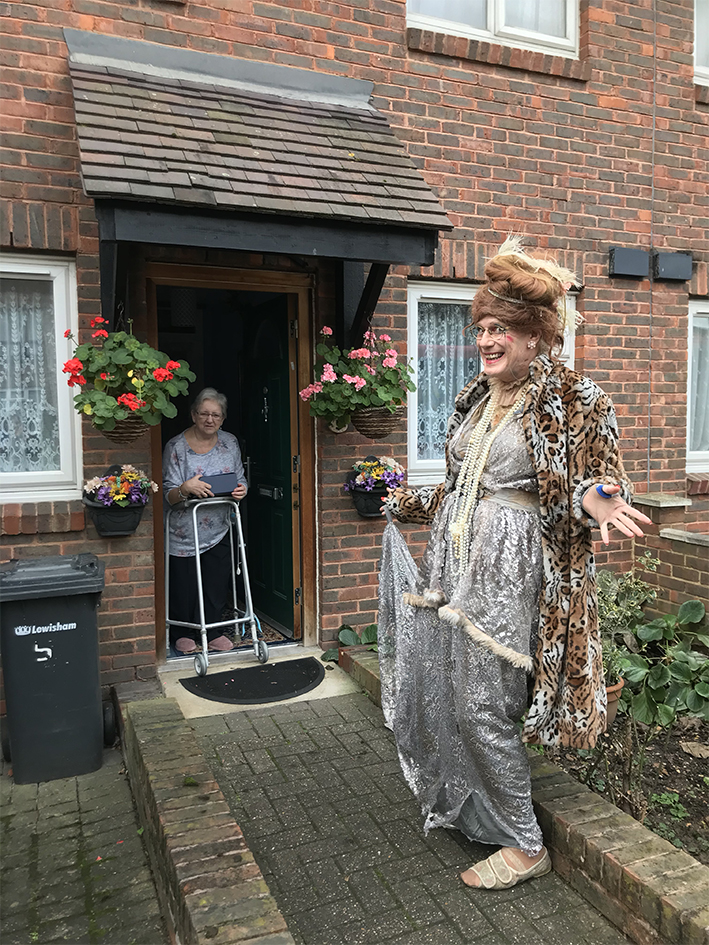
(390, 491)
(613, 511)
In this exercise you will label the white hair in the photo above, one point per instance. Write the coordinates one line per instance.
(209, 393)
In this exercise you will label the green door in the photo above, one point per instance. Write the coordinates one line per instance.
(269, 462)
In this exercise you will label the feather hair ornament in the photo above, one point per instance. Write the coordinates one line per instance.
(512, 247)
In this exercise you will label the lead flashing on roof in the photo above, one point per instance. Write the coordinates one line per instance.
(97, 50)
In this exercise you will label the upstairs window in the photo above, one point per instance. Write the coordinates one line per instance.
(701, 41)
(40, 433)
(548, 26)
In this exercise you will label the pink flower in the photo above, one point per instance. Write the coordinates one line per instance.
(391, 353)
(310, 390)
(370, 369)
(384, 338)
(358, 382)
(357, 353)
(389, 362)
(325, 330)
(328, 374)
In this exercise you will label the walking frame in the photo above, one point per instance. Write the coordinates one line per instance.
(239, 565)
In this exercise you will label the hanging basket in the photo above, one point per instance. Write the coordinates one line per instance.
(113, 520)
(376, 422)
(126, 431)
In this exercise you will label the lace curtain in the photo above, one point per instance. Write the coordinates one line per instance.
(446, 361)
(29, 421)
(699, 433)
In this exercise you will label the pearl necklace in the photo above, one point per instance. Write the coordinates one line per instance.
(476, 455)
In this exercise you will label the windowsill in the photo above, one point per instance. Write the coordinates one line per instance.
(42, 518)
(445, 44)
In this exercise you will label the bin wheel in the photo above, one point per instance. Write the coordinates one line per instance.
(200, 664)
(109, 724)
(261, 651)
(5, 736)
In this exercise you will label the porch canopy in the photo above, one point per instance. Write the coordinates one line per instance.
(186, 148)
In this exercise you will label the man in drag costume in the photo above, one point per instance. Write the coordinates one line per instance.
(503, 608)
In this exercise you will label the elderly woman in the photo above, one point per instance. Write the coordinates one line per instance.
(189, 459)
(506, 585)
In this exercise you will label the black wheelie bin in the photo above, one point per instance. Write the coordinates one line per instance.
(50, 665)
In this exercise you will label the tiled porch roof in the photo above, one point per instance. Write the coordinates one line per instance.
(174, 140)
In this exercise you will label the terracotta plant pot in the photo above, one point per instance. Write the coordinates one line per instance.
(375, 422)
(613, 697)
(126, 431)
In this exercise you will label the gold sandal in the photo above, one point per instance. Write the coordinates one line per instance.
(496, 873)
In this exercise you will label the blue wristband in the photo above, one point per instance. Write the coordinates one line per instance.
(602, 494)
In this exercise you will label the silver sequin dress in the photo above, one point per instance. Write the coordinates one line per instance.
(452, 704)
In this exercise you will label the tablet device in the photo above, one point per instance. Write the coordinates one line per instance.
(222, 484)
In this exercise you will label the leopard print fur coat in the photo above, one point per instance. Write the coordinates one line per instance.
(572, 438)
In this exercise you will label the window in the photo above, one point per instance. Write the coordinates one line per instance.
(444, 361)
(40, 433)
(701, 41)
(697, 387)
(541, 25)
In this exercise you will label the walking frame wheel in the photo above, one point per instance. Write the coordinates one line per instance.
(261, 651)
(200, 664)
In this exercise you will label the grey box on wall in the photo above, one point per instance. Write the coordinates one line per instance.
(672, 266)
(631, 263)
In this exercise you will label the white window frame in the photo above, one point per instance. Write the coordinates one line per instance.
(697, 460)
(425, 472)
(701, 73)
(497, 32)
(63, 484)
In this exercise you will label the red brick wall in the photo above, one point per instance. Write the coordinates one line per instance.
(511, 141)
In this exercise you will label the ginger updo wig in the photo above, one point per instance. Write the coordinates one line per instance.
(525, 294)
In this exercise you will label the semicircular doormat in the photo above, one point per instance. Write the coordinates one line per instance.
(267, 682)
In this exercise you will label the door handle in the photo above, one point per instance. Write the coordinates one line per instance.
(276, 493)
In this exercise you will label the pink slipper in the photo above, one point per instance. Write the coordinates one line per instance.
(221, 644)
(185, 645)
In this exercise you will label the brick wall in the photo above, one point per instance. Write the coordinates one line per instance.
(563, 151)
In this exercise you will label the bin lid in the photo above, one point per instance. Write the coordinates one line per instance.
(51, 576)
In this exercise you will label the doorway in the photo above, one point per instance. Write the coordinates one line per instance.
(243, 341)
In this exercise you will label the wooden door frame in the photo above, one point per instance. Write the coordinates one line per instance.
(298, 288)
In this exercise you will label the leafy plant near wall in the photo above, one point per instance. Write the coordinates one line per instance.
(348, 636)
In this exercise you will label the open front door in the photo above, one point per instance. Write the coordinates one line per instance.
(240, 336)
(271, 463)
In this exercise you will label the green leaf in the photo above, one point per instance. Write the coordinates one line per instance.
(651, 631)
(643, 708)
(680, 671)
(331, 655)
(691, 611)
(665, 715)
(369, 634)
(695, 703)
(703, 689)
(349, 637)
(635, 668)
(702, 638)
(658, 676)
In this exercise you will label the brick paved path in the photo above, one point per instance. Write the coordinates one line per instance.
(317, 790)
(54, 888)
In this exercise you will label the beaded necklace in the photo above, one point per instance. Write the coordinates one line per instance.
(476, 455)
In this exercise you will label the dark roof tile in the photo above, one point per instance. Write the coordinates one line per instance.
(178, 141)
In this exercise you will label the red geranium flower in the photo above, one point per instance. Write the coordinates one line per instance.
(97, 321)
(72, 366)
(101, 333)
(130, 401)
(162, 374)
(172, 365)
(67, 333)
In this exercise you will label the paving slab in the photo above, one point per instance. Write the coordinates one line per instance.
(73, 864)
(318, 793)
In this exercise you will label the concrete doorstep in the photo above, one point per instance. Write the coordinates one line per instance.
(647, 888)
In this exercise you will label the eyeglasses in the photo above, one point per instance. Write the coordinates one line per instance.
(209, 416)
(495, 332)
